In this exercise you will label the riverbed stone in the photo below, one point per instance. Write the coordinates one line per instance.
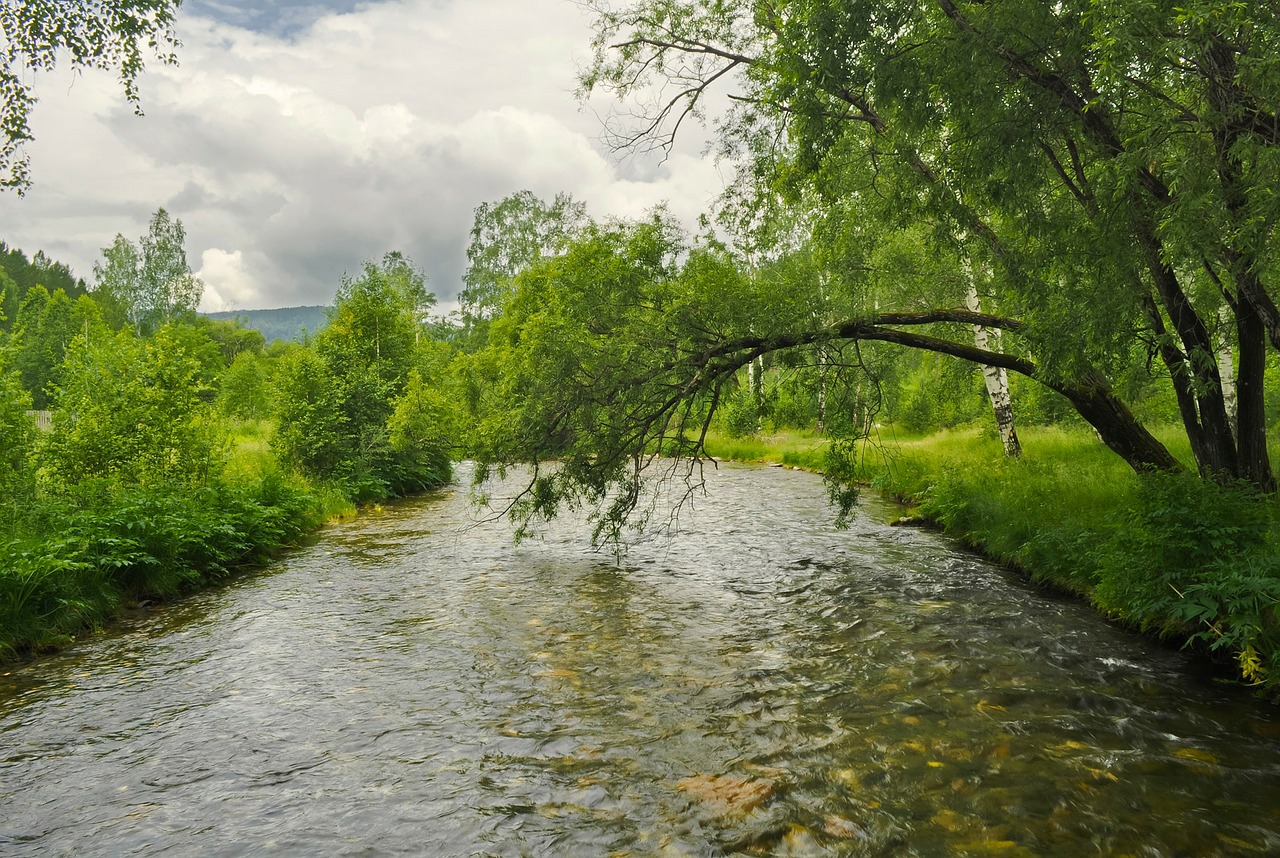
(726, 794)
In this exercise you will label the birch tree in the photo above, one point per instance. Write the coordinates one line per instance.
(996, 379)
(149, 283)
(507, 237)
(114, 35)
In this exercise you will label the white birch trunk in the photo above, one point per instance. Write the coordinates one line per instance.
(997, 381)
(822, 391)
(755, 380)
(1226, 366)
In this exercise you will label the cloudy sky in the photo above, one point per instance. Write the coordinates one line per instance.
(297, 139)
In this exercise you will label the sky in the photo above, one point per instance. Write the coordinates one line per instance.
(295, 140)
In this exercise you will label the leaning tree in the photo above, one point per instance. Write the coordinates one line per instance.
(1112, 162)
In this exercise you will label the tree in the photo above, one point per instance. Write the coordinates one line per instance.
(1112, 163)
(127, 414)
(345, 409)
(18, 275)
(149, 285)
(506, 238)
(17, 437)
(113, 35)
(244, 390)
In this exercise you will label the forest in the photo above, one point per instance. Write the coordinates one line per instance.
(1044, 231)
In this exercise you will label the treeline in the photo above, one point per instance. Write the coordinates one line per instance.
(182, 448)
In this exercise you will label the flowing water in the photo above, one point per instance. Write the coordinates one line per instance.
(761, 684)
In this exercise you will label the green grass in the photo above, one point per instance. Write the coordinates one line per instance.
(796, 448)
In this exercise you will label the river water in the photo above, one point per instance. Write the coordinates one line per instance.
(759, 684)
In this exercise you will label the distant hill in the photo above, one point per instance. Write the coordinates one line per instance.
(285, 323)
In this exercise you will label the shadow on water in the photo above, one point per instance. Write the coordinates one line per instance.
(761, 684)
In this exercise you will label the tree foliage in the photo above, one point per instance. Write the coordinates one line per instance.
(1112, 163)
(347, 409)
(507, 237)
(148, 284)
(128, 414)
(114, 35)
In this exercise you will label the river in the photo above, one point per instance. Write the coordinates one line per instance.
(759, 684)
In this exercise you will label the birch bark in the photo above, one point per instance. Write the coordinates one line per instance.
(997, 381)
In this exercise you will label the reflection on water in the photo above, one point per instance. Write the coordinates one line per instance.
(760, 685)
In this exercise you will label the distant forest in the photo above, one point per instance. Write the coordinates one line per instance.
(285, 323)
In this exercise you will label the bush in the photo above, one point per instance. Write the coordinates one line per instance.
(1200, 559)
(142, 542)
(740, 415)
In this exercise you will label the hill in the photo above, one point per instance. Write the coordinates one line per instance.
(284, 323)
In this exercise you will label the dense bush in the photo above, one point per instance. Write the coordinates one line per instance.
(146, 542)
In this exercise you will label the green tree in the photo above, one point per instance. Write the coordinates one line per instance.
(149, 284)
(18, 275)
(311, 434)
(376, 321)
(44, 328)
(127, 413)
(114, 35)
(1112, 162)
(507, 237)
(337, 402)
(233, 337)
(244, 391)
(17, 437)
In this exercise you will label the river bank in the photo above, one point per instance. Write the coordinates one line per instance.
(759, 683)
(1175, 557)
(80, 560)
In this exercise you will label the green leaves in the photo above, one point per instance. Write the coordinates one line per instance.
(355, 409)
(128, 413)
(151, 284)
(116, 34)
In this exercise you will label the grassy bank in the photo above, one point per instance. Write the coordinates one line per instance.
(77, 559)
(1171, 555)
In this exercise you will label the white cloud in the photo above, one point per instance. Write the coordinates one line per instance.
(227, 270)
(292, 159)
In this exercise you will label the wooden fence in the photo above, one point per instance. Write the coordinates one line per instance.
(44, 420)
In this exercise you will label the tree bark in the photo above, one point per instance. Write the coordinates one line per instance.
(997, 381)
(1255, 461)
(1226, 370)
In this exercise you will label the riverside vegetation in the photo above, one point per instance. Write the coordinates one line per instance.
(168, 465)
(1067, 211)
(183, 449)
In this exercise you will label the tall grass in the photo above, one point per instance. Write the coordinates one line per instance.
(796, 448)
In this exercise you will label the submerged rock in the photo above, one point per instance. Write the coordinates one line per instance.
(728, 795)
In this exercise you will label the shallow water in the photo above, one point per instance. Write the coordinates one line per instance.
(761, 684)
